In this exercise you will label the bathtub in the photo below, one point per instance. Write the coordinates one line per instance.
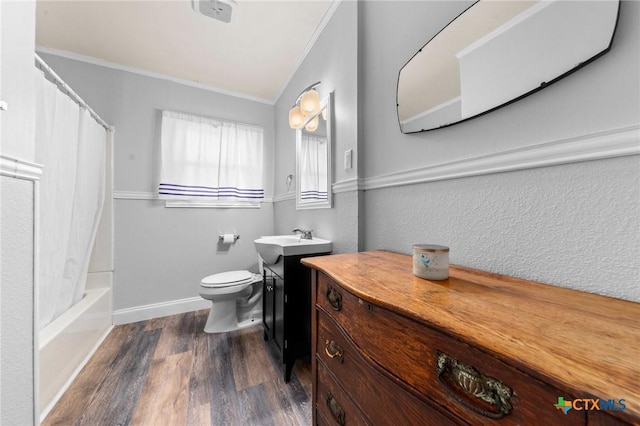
(67, 343)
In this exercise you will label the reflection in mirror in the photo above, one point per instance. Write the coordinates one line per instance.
(497, 52)
(313, 160)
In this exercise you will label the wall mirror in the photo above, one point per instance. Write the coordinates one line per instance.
(497, 52)
(313, 159)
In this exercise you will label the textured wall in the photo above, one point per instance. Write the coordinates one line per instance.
(17, 306)
(574, 225)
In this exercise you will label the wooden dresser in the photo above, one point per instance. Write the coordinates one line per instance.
(393, 349)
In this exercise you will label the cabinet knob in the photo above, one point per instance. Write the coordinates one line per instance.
(334, 298)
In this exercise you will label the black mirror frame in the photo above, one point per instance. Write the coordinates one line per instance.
(543, 85)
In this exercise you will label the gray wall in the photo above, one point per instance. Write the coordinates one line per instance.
(161, 254)
(17, 142)
(571, 225)
(333, 61)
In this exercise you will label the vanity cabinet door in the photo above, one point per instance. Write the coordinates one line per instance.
(268, 293)
(273, 306)
(287, 310)
(278, 313)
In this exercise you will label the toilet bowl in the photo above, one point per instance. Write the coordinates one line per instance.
(235, 297)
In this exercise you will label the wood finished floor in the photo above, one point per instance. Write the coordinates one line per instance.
(168, 371)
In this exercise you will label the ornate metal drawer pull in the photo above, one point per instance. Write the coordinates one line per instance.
(476, 384)
(334, 298)
(333, 350)
(336, 409)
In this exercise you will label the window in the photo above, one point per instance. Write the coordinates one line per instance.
(206, 161)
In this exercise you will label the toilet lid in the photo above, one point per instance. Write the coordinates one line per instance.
(225, 279)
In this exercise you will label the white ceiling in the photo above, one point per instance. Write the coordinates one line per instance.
(253, 56)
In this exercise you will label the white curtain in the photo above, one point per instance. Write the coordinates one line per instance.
(71, 146)
(313, 167)
(208, 159)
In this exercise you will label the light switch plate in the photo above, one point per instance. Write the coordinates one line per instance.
(348, 163)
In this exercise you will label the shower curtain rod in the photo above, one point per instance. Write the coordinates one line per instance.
(42, 65)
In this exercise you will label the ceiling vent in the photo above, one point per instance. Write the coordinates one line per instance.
(222, 10)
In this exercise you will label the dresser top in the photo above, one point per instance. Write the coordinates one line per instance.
(584, 343)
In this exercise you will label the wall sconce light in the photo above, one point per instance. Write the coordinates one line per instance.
(307, 104)
(312, 125)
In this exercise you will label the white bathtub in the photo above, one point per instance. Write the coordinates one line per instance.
(67, 343)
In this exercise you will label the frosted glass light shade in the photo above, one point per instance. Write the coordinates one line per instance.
(296, 119)
(310, 102)
(312, 125)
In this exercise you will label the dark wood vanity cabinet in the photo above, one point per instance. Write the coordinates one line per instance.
(478, 348)
(286, 308)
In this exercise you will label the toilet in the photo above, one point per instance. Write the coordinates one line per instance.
(235, 300)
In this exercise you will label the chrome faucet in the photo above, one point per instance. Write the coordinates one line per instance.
(304, 234)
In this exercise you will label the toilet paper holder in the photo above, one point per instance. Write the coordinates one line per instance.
(235, 237)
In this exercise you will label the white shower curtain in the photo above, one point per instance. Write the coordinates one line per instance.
(71, 146)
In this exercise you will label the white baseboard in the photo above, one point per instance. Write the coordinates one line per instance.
(157, 310)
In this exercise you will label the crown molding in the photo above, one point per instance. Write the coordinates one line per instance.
(107, 64)
(323, 23)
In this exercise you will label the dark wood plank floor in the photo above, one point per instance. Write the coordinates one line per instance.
(168, 371)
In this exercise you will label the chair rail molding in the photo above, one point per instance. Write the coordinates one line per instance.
(284, 197)
(144, 195)
(19, 169)
(596, 146)
(348, 185)
(134, 195)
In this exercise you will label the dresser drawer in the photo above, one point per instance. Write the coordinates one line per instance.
(468, 382)
(383, 404)
(321, 421)
(333, 404)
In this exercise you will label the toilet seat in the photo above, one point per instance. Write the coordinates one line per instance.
(227, 279)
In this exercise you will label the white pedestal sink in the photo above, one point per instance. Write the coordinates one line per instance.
(270, 248)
